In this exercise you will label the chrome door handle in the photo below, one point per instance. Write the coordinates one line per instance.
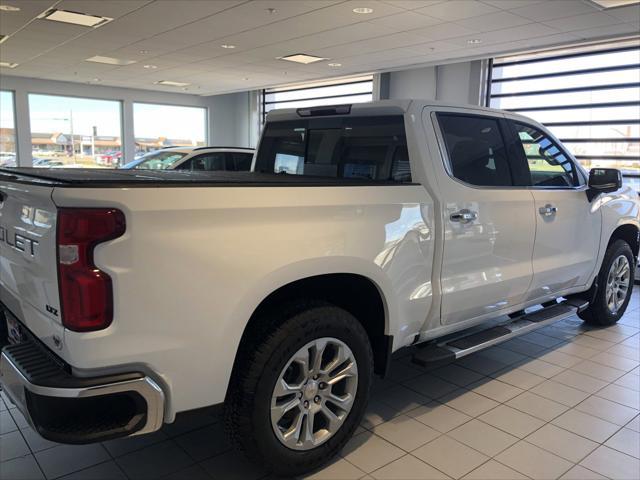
(548, 210)
(463, 216)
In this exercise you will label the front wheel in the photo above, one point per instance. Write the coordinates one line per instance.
(301, 391)
(615, 282)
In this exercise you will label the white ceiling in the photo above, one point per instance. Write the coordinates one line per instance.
(183, 37)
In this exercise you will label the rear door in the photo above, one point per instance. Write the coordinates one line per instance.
(488, 218)
(567, 227)
(28, 265)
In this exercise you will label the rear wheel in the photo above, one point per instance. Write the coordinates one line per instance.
(299, 393)
(615, 282)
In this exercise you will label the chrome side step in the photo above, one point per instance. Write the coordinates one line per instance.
(458, 347)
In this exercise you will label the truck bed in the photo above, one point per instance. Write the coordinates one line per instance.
(113, 178)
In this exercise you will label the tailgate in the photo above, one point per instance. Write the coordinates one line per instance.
(28, 259)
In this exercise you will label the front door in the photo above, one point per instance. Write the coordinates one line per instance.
(567, 227)
(488, 218)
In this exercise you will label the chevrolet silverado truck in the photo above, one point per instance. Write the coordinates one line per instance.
(131, 296)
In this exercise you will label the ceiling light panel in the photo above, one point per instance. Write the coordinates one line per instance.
(614, 3)
(8, 65)
(171, 83)
(75, 18)
(109, 60)
(302, 58)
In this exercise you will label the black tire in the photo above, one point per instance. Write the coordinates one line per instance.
(598, 312)
(263, 358)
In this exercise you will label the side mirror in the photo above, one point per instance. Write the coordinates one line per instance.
(603, 180)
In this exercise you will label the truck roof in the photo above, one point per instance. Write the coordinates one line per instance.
(378, 107)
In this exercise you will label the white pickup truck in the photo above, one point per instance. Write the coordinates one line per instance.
(131, 296)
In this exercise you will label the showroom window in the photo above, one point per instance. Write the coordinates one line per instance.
(7, 130)
(353, 90)
(589, 97)
(159, 126)
(75, 132)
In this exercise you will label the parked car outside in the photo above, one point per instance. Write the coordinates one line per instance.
(195, 158)
(109, 159)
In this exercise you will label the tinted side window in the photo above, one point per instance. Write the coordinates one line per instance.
(476, 149)
(238, 161)
(206, 161)
(548, 164)
(372, 148)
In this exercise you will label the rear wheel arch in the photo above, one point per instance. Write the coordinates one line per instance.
(355, 293)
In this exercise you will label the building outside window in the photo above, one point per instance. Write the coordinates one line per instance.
(158, 126)
(353, 90)
(7, 130)
(75, 132)
(589, 97)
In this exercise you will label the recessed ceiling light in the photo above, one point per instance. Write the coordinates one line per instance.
(334, 64)
(302, 58)
(271, 11)
(226, 45)
(76, 18)
(363, 10)
(171, 83)
(143, 52)
(8, 64)
(474, 41)
(613, 3)
(9, 8)
(96, 79)
(150, 67)
(109, 60)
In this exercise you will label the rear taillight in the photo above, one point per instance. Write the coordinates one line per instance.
(86, 295)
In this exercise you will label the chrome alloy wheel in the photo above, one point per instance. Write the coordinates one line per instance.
(314, 394)
(618, 283)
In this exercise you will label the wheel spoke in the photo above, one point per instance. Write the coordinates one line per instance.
(342, 402)
(292, 436)
(307, 431)
(347, 371)
(279, 411)
(318, 351)
(332, 418)
(283, 389)
(302, 359)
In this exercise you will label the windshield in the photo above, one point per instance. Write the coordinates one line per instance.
(160, 160)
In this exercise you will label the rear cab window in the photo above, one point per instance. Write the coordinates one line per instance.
(476, 149)
(368, 148)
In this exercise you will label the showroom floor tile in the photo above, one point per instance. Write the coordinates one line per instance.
(562, 402)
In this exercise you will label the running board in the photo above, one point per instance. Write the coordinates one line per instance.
(458, 347)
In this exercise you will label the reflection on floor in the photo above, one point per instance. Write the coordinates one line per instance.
(558, 403)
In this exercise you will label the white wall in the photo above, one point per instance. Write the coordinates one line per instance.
(460, 82)
(229, 115)
(455, 83)
(416, 83)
